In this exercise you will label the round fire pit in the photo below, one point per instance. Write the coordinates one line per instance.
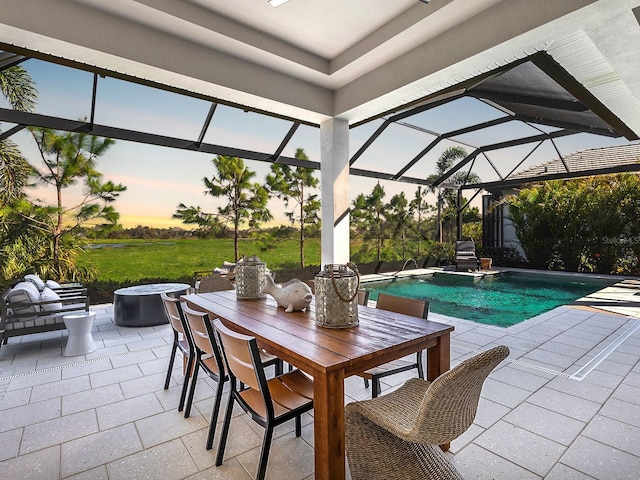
(141, 305)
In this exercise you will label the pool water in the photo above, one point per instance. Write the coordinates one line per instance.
(504, 299)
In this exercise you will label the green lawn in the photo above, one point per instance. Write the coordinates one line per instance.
(135, 259)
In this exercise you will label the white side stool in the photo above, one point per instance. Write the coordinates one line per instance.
(80, 340)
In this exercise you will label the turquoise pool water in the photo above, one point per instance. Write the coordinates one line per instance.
(504, 299)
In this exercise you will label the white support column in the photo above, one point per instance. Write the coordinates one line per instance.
(334, 182)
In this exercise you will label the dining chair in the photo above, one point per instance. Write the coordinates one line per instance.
(209, 359)
(363, 297)
(268, 402)
(397, 436)
(181, 340)
(214, 283)
(312, 285)
(408, 306)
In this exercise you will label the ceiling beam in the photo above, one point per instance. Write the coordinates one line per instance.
(545, 63)
(11, 131)
(605, 132)
(285, 141)
(369, 141)
(558, 104)
(207, 122)
(56, 123)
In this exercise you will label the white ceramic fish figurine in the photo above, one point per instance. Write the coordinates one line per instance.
(293, 295)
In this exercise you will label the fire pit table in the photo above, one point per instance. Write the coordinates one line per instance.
(141, 305)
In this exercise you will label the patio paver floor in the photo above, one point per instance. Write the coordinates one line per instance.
(106, 415)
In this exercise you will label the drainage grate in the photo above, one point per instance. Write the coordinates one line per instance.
(598, 359)
(585, 370)
(74, 364)
(542, 369)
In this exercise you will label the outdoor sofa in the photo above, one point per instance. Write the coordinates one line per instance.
(35, 306)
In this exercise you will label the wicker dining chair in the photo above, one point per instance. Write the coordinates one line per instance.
(396, 436)
(408, 306)
(181, 340)
(268, 402)
(214, 283)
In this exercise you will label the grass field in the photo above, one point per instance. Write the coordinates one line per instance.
(135, 259)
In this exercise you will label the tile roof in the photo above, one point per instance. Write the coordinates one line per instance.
(585, 161)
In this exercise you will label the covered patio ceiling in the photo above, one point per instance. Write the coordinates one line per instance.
(562, 70)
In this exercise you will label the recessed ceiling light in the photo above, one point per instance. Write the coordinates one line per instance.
(277, 3)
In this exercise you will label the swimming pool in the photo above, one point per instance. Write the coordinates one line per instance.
(504, 299)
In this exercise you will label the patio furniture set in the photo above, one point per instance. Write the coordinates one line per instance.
(35, 306)
(228, 339)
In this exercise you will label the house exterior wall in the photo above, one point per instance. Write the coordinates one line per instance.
(498, 229)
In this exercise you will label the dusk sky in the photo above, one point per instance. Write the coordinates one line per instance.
(159, 178)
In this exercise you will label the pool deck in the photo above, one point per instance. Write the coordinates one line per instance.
(565, 405)
(376, 277)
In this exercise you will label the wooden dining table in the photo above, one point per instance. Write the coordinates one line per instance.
(330, 355)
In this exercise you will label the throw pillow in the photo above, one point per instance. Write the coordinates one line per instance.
(36, 280)
(47, 295)
(51, 284)
(22, 293)
(29, 287)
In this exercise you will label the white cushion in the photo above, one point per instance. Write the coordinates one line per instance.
(23, 292)
(36, 280)
(51, 284)
(32, 291)
(48, 294)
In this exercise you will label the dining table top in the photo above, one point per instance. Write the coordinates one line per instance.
(311, 347)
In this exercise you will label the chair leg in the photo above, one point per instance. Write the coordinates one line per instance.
(264, 454)
(171, 360)
(376, 387)
(366, 383)
(278, 368)
(185, 384)
(298, 426)
(214, 414)
(225, 430)
(192, 390)
(419, 362)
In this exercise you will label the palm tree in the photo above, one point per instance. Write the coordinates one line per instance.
(19, 89)
(18, 239)
(444, 163)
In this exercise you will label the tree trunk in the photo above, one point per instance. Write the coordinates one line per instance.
(302, 226)
(57, 232)
(379, 243)
(235, 240)
(56, 256)
(439, 217)
(236, 221)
